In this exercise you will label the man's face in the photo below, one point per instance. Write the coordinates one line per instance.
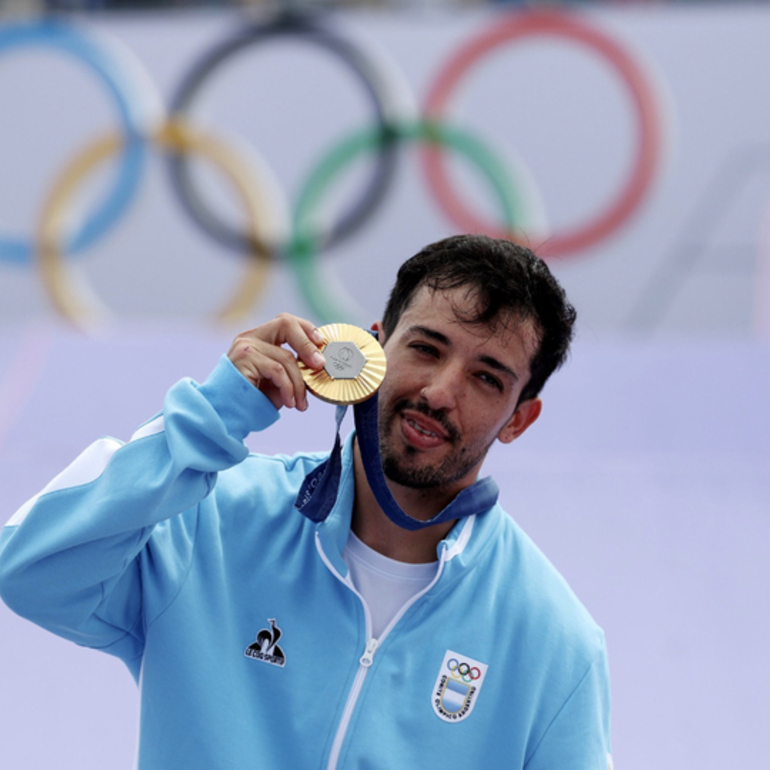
(450, 391)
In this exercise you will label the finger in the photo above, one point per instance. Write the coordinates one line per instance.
(264, 364)
(256, 352)
(303, 337)
(277, 382)
(243, 353)
(293, 384)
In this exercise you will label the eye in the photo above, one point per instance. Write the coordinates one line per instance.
(425, 349)
(490, 380)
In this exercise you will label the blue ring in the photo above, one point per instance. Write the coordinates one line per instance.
(70, 40)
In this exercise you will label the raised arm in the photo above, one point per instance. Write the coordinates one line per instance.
(68, 557)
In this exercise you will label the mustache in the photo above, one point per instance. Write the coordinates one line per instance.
(453, 434)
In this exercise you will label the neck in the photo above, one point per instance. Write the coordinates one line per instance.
(373, 527)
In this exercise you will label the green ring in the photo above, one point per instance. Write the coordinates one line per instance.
(304, 246)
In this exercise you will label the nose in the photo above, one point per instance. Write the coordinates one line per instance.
(443, 390)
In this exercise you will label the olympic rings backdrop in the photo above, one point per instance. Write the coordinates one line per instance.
(319, 217)
(553, 128)
(556, 129)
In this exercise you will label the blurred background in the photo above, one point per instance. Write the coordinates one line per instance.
(172, 173)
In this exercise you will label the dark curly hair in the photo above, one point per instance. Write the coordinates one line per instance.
(509, 284)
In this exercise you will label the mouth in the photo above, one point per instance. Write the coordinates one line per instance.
(421, 432)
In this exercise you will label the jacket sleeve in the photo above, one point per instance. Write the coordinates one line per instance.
(68, 556)
(578, 738)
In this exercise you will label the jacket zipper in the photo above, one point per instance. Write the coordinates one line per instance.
(367, 658)
(365, 662)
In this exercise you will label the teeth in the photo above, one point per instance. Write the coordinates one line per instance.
(422, 430)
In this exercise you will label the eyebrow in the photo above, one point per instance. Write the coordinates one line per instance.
(490, 361)
(426, 331)
(493, 363)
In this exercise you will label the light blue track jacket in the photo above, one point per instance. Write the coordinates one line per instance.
(183, 554)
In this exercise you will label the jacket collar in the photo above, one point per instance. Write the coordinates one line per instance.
(459, 549)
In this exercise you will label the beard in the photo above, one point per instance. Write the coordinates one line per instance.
(403, 465)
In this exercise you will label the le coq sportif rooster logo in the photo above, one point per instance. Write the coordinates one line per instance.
(266, 648)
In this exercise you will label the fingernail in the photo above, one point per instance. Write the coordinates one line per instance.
(318, 360)
(317, 337)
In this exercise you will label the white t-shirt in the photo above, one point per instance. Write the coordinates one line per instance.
(386, 584)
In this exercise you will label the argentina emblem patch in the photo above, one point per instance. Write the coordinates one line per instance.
(457, 687)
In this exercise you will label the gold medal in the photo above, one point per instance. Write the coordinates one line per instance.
(355, 365)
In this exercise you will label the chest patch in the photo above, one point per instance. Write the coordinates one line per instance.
(457, 687)
(265, 646)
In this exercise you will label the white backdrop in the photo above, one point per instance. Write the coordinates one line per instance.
(647, 480)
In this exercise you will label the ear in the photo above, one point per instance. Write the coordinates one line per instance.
(526, 413)
(377, 327)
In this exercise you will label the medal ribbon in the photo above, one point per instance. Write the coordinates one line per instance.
(318, 492)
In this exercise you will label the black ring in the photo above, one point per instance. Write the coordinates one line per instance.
(309, 28)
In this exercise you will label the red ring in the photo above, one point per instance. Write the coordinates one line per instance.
(550, 23)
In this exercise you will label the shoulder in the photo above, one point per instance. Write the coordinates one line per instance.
(556, 618)
(268, 477)
(300, 463)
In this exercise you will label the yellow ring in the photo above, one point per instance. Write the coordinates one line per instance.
(70, 300)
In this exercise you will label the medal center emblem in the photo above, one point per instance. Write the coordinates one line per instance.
(344, 360)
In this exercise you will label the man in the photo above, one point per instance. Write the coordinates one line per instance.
(418, 625)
